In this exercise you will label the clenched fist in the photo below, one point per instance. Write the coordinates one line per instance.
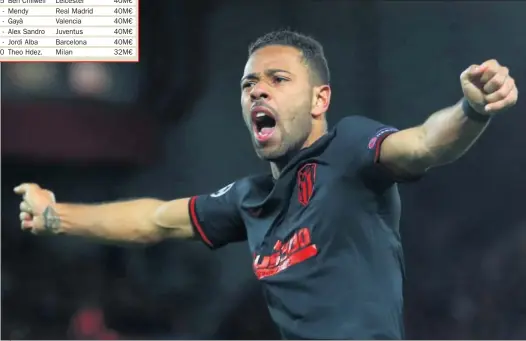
(36, 209)
(488, 87)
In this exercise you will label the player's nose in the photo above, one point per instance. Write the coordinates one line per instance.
(259, 92)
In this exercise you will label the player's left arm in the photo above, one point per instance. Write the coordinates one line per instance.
(447, 134)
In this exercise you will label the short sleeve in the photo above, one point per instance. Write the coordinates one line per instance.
(216, 217)
(361, 139)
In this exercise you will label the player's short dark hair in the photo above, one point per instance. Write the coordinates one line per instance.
(310, 48)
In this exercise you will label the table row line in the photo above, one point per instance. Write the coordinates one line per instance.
(76, 11)
(115, 31)
(64, 21)
(66, 3)
(70, 42)
(93, 52)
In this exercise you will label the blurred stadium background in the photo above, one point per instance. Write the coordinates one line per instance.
(170, 126)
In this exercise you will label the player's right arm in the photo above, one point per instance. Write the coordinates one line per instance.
(141, 221)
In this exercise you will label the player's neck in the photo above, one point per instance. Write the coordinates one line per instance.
(276, 171)
(318, 131)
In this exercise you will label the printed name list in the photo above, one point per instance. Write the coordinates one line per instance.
(69, 30)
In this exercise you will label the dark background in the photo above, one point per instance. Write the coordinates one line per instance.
(170, 126)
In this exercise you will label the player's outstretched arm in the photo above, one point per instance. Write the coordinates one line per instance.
(141, 221)
(449, 133)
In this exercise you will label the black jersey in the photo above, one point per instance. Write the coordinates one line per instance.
(324, 236)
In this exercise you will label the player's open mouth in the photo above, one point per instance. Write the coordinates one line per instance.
(263, 123)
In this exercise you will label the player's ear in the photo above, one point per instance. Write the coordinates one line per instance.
(321, 99)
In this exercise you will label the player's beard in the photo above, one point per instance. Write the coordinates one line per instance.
(292, 130)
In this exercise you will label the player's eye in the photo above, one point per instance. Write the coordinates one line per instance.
(278, 79)
(247, 85)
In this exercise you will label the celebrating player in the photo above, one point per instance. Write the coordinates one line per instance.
(323, 225)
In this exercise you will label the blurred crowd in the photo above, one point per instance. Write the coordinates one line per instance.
(93, 298)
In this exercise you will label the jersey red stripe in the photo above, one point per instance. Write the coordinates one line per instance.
(195, 222)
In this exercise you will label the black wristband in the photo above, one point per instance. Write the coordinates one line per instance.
(472, 114)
